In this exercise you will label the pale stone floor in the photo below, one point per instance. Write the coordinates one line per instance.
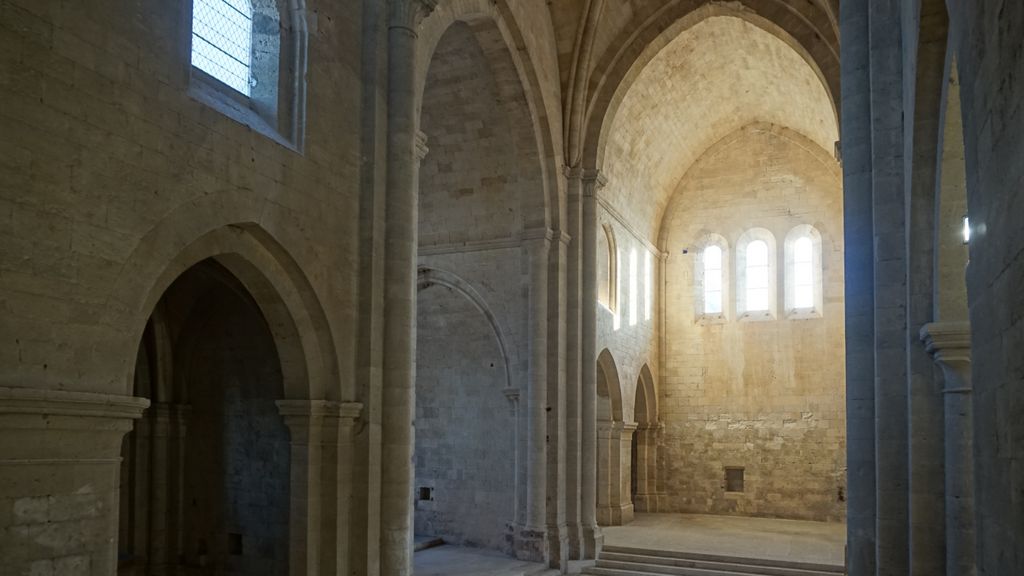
(771, 538)
(795, 540)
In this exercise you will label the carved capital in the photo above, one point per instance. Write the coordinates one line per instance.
(593, 180)
(949, 344)
(409, 13)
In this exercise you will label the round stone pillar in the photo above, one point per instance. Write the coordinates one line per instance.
(400, 252)
(591, 538)
(949, 344)
(530, 543)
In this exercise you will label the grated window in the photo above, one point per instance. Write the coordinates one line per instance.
(734, 479)
(222, 41)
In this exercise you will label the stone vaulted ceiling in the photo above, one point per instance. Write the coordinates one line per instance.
(714, 78)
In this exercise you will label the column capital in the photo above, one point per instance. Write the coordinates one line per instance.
(409, 13)
(421, 145)
(35, 401)
(511, 393)
(949, 344)
(593, 180)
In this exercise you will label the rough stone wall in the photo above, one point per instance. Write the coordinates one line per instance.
(766, 395)
(990, 36)
(465, 426)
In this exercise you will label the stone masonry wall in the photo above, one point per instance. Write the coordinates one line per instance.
(765, 395)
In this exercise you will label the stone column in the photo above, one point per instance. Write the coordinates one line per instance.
(624, 483)
(531, 541)
(60, 458)
(305, 421)
(949, 344)
(590, 532)
(646, 462)
(609, 462)
(398, 400)
(169, 427)
(573, 436)
(344, 420)
(512, 395)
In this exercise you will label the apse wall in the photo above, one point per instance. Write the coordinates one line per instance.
(764, 395)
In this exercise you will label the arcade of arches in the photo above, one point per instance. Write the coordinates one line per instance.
(506, 273)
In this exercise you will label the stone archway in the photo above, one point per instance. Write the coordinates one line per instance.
(233, 351)
(614, 440)
(644, 468)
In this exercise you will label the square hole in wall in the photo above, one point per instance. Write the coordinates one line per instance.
(426, 493)
(235, 544)
(733, 479)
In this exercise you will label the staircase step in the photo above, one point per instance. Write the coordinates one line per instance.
(616, 559)
(667, 556)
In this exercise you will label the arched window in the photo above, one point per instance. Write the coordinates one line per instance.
(803, 272)
(634, 287)
(648, 285)
(222, 41)
(249, 63)
(755, 263)
(711, 278)
(803, 277)
(756, 274)
(608, 269)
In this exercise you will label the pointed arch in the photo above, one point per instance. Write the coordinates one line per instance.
(609, 389)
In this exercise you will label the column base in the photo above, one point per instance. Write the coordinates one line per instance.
(574, 541)
(615, 515)
(591, 542)
(558, 545)
(651, 502)
(530, 544)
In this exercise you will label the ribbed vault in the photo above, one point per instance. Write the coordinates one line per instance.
(714, 78)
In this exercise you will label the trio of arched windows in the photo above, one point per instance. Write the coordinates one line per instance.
(756, 276)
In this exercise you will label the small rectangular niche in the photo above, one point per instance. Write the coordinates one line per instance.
(235, 544)
(734, 479)
(426, 494)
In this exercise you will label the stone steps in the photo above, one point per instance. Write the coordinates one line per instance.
(622, 561)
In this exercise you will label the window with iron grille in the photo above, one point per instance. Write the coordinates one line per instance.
(222, 41)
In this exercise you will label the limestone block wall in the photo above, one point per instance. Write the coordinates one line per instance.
(477, 182)
(109, 170)
(631, 347)
(766, 395)
(989, 61)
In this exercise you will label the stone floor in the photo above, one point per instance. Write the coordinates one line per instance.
(796, 540)
(456, 561)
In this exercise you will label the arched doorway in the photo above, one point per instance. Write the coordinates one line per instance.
(614, 440)
(206, 472)
(644, 453)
